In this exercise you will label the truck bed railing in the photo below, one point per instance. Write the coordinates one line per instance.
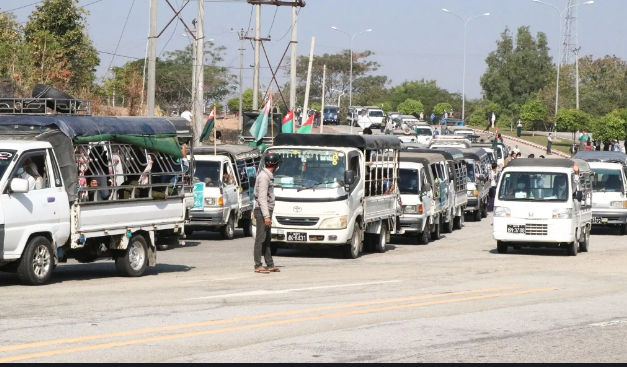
(44, 106)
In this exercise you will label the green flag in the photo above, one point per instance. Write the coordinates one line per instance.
(288, 123)
(260, 127)
(211, 123)
(306, 129)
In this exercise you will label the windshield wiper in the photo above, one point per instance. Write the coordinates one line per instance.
(314, 185)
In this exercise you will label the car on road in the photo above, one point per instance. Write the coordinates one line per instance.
(331, 115)
(478, 186)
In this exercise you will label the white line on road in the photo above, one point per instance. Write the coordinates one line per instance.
(610, 323)
(267, 293)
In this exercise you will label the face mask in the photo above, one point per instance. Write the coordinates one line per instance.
(20, 171)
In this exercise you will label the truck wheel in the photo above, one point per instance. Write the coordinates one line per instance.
(36, 265)
(369, 242)
(584, 246)
(247, 226)
(573, 248)
(352, 251)
(228, 231)
(135, 259)
(423, 238)
(458, 223)
(484, 211)
(447, 227)
(381, 245)
(501, 247)
(435, 234)
(477, 214)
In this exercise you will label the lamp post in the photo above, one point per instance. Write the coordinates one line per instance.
(464, 72)
(351, 72)
(339, 98)
(559, 45)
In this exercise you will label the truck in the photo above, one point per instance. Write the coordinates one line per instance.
(335, 191)
(88, 188)
(223, 179)
(478, 186)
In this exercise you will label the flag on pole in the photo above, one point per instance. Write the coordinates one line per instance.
(306, 128)
(288, 123)
(260, 127)
(209, 125)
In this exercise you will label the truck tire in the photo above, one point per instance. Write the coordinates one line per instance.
(477, 214)
(37, 262)
(228, 231)
(423, 238)
(135, 259)
(501, 247)
(448, 227)
(458, 223)
(484, 211)
(573, 248)
(381, 245)
(584, 246)
(247, 226)
(435, 234)
(352, 250)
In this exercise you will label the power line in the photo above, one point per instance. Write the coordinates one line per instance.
(250, 20)
(290, 29)
(273, 18)
(121, 35)
(21, 7)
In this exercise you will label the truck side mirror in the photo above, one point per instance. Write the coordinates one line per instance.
(19, 186)
(578, 196)
(349, 178)
(426, 188)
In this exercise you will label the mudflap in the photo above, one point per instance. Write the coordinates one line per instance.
(152, 249)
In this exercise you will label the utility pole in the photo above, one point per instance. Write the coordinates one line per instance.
(293, 64)
(193, 68)
(241, 81)
(152, 58)
(324, 80)
(199, 71)
(257, 50)
(576, 51)
(307, 88)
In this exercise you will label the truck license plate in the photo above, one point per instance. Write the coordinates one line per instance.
(516, 229)
(297, 236)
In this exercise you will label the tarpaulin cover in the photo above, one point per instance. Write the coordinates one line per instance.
(158, 143)
(594, 156)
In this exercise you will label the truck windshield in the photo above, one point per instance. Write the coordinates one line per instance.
(470, 167)
(6, 157)
(375, 114)
(534, 186)
(607, 180)
(408, 181)
(332, 110)
(207, 172)
(424, 132)
(319, 168)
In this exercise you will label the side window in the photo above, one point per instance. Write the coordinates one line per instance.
(354, 166)
(423, 178)
(58, 181)
(33, 167)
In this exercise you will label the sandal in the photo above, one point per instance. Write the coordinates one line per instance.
(261, 271)
(274, 270)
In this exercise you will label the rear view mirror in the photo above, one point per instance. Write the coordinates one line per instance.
(19, 186)
(426, 188)
(349, 177)
(578, 196)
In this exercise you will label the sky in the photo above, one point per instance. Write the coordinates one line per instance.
(412, 39)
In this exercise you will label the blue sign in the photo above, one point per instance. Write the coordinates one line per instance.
(199, 195)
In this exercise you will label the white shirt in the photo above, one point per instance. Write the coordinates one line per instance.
(31, 180)
(516, 150)
(187, 115)
(549, 139)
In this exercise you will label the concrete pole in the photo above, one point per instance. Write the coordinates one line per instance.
(324, 80)
(199, 71)
(307, 88)
(152, 59)
(577, 76)
(257, 50)
(193, 73)
(293, 65)
(241, 81)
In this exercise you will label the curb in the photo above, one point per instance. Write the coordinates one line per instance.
(525, 142)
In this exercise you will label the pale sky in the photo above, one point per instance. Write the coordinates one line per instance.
(413, 39)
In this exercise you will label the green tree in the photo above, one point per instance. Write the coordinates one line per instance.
(573, 120)
(534, 115)
(603, 87)
(425, 91)
(442, 108)
(518, 68)
(609, 127)
(411, 107)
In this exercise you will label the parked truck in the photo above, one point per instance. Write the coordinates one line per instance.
(88, 188)
(223, 184)
(336, 190)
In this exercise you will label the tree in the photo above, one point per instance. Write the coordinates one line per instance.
(609, 127)
(573, 120)
(533, 114)
(442, 108)
(425, 91)
(411, 107)
(517, 69)
(603, 87)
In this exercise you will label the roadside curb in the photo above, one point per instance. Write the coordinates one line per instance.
(525, 142)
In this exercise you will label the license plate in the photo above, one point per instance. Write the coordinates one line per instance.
(297, 237)
(598, 220)
(516, 229)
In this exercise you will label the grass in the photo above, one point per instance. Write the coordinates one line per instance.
(558, 144)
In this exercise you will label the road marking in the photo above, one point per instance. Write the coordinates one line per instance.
(263, 325)
(245, 318)
(610, 323)
(285, 291)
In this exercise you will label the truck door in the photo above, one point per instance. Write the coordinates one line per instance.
(230, 195)
(357, 189)
(37, 210)
(427, 200)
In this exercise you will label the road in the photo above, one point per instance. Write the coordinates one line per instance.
(455, 299)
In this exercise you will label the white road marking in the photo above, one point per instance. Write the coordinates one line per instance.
(267, 293)
(610, 323)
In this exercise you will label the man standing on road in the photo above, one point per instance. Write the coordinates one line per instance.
(549, 143)
(264, 206)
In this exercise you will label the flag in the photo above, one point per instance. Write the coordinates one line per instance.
(288, 123)
(209, 125)
(260, 127)
(306, 128)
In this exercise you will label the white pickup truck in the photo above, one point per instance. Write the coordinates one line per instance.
(336, 190)
(224, 181)
(87, 188)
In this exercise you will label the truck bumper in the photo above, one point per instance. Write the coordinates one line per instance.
(206, 218)
(539, 233)
(603, 217)
(313, 237)
(412, 223)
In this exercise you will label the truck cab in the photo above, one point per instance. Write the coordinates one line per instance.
(544, 204)
(223, 183)
(373, 118)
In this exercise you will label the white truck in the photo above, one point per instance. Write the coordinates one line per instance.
(609, 184)
(87, 188)
(372, 117)
(336, 190)
(544, 203)
(223, 183)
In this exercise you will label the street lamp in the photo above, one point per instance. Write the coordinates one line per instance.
(351, 73)
(339, 97)
(464, 73)
(559, 45)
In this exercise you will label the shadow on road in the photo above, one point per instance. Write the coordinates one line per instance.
(323, 253)
(533, 251)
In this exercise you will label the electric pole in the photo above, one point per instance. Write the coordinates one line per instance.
(199, 71)
(576, 51)
(293, 63)
(193, 68)
(152, 58)
(257, 50)
(241, 81)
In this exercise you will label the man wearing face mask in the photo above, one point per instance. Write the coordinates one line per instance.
(21, 173)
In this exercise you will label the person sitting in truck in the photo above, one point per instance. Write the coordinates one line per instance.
(21, 173)
(560, 189)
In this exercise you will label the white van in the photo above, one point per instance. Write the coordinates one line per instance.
(609, 207)
(544, 203)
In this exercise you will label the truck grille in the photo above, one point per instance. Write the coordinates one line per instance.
(292, 221)
(536, 230)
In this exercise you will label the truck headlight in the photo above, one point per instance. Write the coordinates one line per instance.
(619, 204)
(563, 214)
(210, 201)
(335, 223)
(502, 212)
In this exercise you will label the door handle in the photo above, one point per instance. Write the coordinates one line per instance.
(51, 200)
